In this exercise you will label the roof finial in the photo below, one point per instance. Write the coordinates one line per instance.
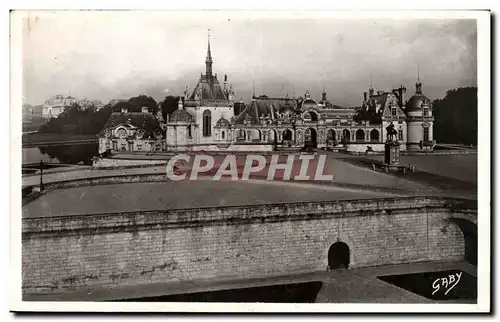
(322, 84)
(418, 71)
(253, 95)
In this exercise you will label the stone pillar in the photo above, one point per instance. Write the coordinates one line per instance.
(391, 156)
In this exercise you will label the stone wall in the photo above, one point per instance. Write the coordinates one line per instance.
(235, 242)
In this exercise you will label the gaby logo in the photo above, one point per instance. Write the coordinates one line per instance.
(446, 283)
(304, 167)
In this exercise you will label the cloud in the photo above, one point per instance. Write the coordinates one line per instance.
(103, 56)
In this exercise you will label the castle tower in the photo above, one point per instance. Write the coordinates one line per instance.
(420, 121)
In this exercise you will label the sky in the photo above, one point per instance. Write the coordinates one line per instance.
(108, 55)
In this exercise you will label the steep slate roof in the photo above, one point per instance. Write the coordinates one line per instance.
(144, 121)
(180, 115)
(263, 106)
(210, 89)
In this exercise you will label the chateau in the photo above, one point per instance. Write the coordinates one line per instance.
(205, 120)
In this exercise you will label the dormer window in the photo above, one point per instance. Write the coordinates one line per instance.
(145, 109)
(426, 111)
(393, 111)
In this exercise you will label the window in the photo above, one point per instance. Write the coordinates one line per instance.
(139, 147)
(223, 135)
(207, 123)
(241, 135)
(115, 146)
(400, 135)
(393, 111)
(189, 132)
(426, 111)
(426, 134)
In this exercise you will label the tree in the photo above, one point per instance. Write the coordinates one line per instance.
(455, 116)
(168, 105)
(138, 102)
(75, 120)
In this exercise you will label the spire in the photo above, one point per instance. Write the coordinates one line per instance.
(322, 84)
(371, 90)
(253, 93)
(208, 60)
(418, 85)
(418, 72)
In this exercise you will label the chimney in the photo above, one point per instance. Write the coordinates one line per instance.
(401, 97)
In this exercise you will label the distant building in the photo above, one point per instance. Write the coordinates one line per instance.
(54, 106)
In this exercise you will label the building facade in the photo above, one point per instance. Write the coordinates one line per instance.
(205, 120)
(54, 106)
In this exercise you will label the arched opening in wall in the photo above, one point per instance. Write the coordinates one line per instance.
(310, 138)
(259, 135)
(469, 231)
(360, 135)
(339, 256)
(346, 136)
(330, 136)
(223, 135)
(374, 135)
(287, 135)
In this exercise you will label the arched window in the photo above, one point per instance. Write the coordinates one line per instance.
(241, 135)
(207, 123)
(189, 132)
(223, 134)
(360, 135)
(374, 135)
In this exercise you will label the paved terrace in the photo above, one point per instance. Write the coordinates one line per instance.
(358, 285)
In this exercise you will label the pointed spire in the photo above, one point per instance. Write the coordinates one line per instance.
(253, 93)
(322, 84)
(208, 60)
(418, 71)
(418, 85)
(371, 90)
